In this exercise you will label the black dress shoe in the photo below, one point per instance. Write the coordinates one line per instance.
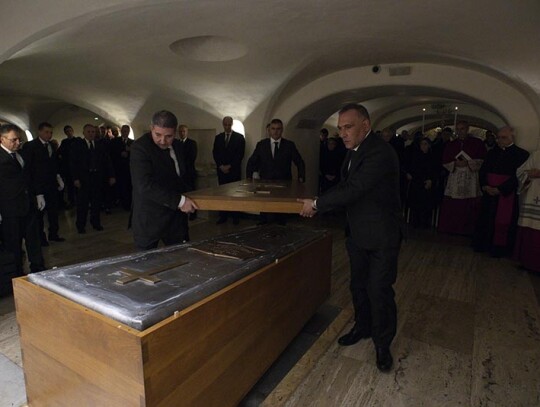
(354, 335)
(384, 359)
(56, 238)
(235, 221)
(99, 228)
(81, 231)
(221, 220)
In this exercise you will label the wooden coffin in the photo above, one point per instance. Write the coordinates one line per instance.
(209, 354)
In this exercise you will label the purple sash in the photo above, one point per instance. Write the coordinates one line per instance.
(505, 209)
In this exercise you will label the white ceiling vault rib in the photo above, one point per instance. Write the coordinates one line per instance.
(260, 59)
(32, 21)
(323, 96)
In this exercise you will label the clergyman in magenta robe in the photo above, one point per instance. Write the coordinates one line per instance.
(463, 158)
(496, 228)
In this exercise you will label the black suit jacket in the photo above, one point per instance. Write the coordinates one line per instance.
(63, 155)
(80, 161)
(369, 191)
(157, 189)
(232, 154)
(18, 186)
(120, 163)
(189, 153)
(40, 162)
(278, 167)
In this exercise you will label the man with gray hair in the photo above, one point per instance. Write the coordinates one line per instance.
(158, 173)
(369, 192)
(90, 164)
(228, 152)
(496, 228)
(21, 199)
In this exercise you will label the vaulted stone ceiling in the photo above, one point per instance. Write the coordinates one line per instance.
(123, 59)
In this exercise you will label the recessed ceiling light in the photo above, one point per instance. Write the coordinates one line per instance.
(209, 48)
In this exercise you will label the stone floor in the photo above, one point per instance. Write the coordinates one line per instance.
(468, 328)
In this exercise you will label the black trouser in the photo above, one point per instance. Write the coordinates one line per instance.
(69, 188)
(17, 228)
(51, 207)
(177, 232)
(89, 195)
(124, 189)
(227, 179)
(373, 272)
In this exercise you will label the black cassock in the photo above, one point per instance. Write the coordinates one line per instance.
(422, 167)
(496, 227)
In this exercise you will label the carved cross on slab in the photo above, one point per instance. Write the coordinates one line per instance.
(227, 250)
(146, 276)
(536, 200)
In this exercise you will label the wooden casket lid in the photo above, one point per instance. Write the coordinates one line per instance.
(253, 196)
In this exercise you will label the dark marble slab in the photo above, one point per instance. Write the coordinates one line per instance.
(140, 304)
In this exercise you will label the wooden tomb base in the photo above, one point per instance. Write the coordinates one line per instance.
(209, 354)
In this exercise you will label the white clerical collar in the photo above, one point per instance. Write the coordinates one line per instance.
(508, 146)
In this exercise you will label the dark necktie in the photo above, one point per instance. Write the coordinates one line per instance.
(14, 155)
(347, 164)
(48, 149)
(92, 163)
(172, 157)
(227, 137)
(276, 148)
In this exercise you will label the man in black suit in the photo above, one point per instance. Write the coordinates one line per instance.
(43, 157)
(189, 152)
(90, 164)
(369, 191)
(157, 171)
(273, 158)
(228, 152)
(21, 198)
(120, 155)
(64, 165)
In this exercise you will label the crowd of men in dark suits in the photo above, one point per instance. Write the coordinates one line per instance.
(162, 169)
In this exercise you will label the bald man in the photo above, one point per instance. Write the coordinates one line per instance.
(496, 227)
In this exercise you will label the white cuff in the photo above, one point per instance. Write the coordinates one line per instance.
(182, 201)
(314, 204)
